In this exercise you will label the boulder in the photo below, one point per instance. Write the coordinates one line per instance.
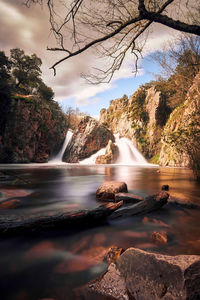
(128, 198)
(109, 188)
(141, 275)
(110, 155)
(90, 137)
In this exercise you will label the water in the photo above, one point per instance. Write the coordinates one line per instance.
(92, 159)
(58, 158)
(52, 264)
(128, 153)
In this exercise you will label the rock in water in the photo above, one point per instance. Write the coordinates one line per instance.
(90, 137)
(141, 275)
(109, 188)
(159, 238)
(110, 156)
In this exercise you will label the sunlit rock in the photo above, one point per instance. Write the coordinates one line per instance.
(90, 137)
(110, 156)
(109, 188)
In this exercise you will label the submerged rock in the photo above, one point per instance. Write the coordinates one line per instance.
(159, 238)
(89, 138)
(110, 155)
(109, 188)
(141, 275)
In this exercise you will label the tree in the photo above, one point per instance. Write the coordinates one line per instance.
(25, 71)
(45, 92)
(180, 63)
(4, 75)
(115, 27)
(4, 89)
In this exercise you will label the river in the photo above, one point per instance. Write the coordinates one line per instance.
(50, 265)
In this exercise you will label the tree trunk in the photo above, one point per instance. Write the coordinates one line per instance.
(57, 219)
(149, 204)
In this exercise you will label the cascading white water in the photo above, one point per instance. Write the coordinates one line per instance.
(59, 156)
(91, 160)
(128, 154)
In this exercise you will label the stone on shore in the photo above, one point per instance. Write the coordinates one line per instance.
(141, 275)
(108, 190)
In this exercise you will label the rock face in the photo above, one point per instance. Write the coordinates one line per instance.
(140, 118)
(142, 275)
(34, 130)
(109, 188)
(183, 119)
(110, 156)
(90, 137)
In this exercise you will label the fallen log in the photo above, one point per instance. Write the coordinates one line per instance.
(128, 198)
(149, 204)
(10, 224)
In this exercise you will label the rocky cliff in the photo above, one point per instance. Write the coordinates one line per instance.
(181, 135)
(89, 137)
(169, 138)
(34, 130)
(140, 118)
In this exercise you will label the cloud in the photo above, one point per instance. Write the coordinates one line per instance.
(28, 29)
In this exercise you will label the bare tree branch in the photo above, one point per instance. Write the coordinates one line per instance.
(113, 26)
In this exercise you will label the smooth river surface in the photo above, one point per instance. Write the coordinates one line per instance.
(50, 265)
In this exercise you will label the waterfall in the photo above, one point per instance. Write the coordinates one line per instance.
(59, 156)
(91, 160)
(128, 154)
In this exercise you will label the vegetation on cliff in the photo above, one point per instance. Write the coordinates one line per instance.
(32, 125)
(162, 117)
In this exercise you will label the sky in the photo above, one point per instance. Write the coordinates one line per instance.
(29, 29)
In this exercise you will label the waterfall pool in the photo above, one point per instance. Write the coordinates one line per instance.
(51, 264)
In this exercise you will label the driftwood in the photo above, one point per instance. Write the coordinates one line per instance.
(8, 224)
(128, 198)
(149, 204)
